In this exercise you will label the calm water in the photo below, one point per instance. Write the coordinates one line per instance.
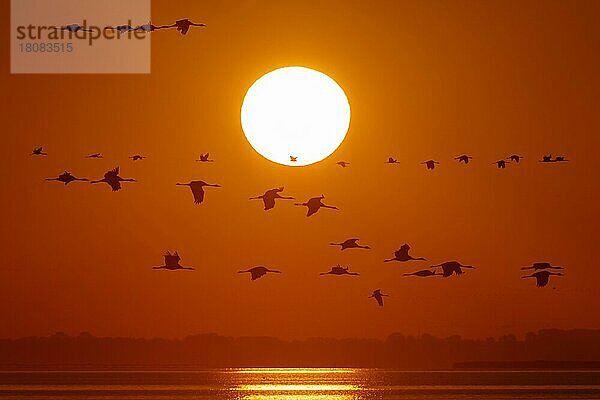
(300, 384)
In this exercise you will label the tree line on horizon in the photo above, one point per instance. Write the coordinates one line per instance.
(426, 352)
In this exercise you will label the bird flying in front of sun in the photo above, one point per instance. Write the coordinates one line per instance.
(295, 116)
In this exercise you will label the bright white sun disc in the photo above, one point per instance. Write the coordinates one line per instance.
(297, 112)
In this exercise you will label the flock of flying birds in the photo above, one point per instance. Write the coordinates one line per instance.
(182, 26)
(430, 164)
(542, 270)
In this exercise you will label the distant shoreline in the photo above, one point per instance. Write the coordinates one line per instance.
(550, 349)
(527, 365)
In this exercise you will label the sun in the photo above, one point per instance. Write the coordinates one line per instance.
(295, 116)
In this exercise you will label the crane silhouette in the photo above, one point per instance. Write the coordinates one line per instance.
(269, 197)
(149, 27)
(349, 244)
(74, 28)
(113, 179)
(392, 160)
(541, 266)
(258, 272)
(293, 159)
(120, 28)
(137, 157)
(184, 25)
(430, 164)
(66, 178)
(515, 157)
(422, 273)
(542, 277)
(377, 295)
(38, 151)
(343, 164)
(339, 270)
(314, 204)
(95, 155)
(172, 262)
(402, 255)
(197, 188)
(451, 267)
(463, 158)
(204, 158)
(501, 163)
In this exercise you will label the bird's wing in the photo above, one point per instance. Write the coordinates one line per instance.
(311, 210)
(402, 251)
(113, 172)
(114, 184)
(198, 192)
(183, 28)
(257, 273)
(542, 279)
(380, 300)
(269, 202)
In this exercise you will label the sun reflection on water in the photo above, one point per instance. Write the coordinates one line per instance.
(295, 383)
(298, 397)
(293, 371)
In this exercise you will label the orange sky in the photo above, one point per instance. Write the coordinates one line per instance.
(425, 79)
